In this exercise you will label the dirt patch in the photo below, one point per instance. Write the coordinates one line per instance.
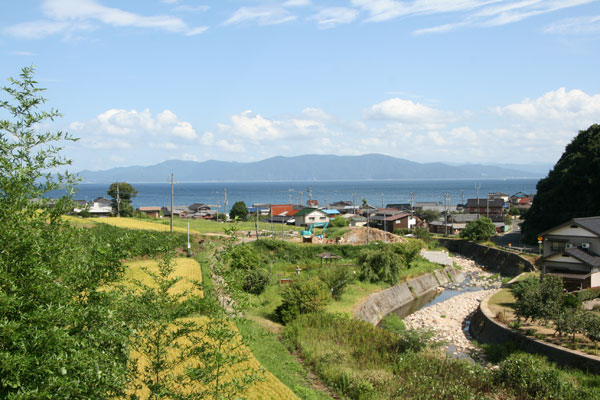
(358, 235)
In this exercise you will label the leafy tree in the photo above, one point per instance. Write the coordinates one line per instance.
(60, 335)
(239, 210)
(302, 296)
(122, 193)
(255, 281)
(243, 256)
(574, 174)
(429, 215)
(381, 265)
(479, 230)
(337, 278)
(339, 222)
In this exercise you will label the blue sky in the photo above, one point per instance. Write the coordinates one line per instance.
(462, 81)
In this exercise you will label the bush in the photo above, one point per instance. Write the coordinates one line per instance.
(532, 377)
(256, 281)
(393, 323)
(337, 279)
(423, 234)
(380, 265)
(243, 257)
(302, 296)
(480, 230)
(339, 222)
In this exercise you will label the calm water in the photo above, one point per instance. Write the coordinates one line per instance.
(375, 192)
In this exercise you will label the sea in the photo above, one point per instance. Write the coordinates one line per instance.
(376, 193)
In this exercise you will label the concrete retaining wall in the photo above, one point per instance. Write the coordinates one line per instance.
(486, 329)
(504, 262)
(380, 304)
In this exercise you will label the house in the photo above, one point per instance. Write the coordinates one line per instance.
(358, 220)
(344, 207)
(498, 195)
(487, 207)
(199, 207)
(153, 212)
(390, 220)
(308, 216)
(331, 212)
(572, 251)
(178, 211)
(100, 207)
(283, 213)
(402, 207)
(312, 203)
(523, 203)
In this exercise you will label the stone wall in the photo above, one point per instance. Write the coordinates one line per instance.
(381, 303)
(486, 329)
(504, 262)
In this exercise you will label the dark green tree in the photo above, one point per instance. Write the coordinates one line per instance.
(569, 189)
(239, 210)
(60, 335)
(122, 193)
(480, 230)
(429, 215)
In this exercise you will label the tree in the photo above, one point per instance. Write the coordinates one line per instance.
(339, 222)
(122, 193)
(479, 230)
(239, 210)
(381, 265)
(61, 336)
(429, 215)
(302, 296)
(577, 170)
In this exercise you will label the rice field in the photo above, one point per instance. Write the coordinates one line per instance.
(189, 270)
(128, 223)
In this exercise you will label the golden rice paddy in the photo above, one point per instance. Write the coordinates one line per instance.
(189, 270)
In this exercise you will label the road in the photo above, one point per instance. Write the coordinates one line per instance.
(513, 237)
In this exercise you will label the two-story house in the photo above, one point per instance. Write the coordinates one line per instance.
(572, 251)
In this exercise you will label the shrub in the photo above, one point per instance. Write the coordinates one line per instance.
(302, 296)
(243, 257)
(393, 323)
(531, 376)
(256, 281)
(480, 230)
(380, 265)
(339, 222)
(423, 234)
(337, 279)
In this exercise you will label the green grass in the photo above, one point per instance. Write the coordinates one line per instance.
(353, 294)
(275, 358)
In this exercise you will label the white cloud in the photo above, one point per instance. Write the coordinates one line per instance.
(119, 122)
(72, 15)
(559, 106)
(23, 53)
(231, 147)
(575, 26)
(482, 13)
(296, 3)
(334, 16)
(262, 15)
(407, 111)
(189, 157)
(109, 144)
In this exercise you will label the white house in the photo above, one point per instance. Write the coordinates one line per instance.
(572, 251)
(308, 216)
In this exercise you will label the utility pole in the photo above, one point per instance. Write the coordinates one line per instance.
(412, 202)
(300, 197)
(225, 204)
(446, 200)
(354, 203)
(487, 206)
(118, 201)
(382, 201)
(218, 208)
(309, 190)
(478, 186)
(257, 212)
(290, 197)
(462, 194)
(172, 203)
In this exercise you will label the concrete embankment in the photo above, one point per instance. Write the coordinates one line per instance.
(504, 262)
(486, 329)
(380, 304)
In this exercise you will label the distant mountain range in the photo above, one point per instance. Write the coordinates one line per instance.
(307, 168)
